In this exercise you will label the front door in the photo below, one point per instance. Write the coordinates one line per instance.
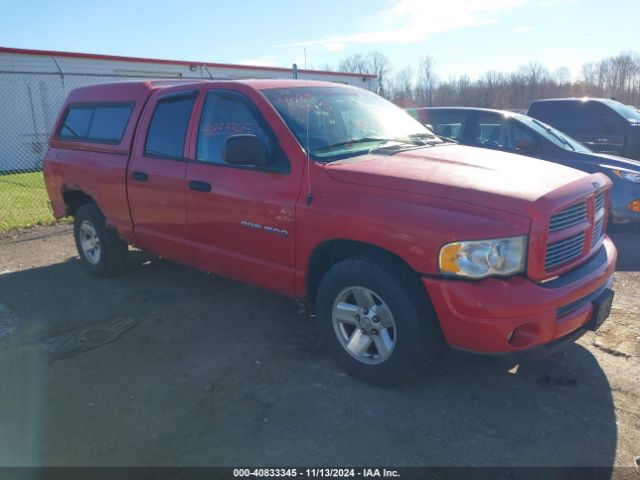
(241, 217)
(501, 132)
(598, 128)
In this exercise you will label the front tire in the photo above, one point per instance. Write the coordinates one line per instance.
(375, 318)
(102, 252)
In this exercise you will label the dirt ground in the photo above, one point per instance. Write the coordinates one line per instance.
(213, 372)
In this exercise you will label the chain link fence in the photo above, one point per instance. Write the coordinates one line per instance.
(29, 107)
(31, 101)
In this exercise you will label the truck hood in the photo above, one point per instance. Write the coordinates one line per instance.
(488, 178)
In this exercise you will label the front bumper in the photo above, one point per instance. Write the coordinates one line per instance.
(515, 314)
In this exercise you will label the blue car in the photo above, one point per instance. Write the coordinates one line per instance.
(517, 133)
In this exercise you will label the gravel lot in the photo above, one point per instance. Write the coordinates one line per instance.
(214, 372)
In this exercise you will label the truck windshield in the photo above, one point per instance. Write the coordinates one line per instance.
(556, 137)
(338, 122)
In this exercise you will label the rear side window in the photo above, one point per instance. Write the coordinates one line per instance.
(556, 113)
(448, 124)
(97, 123)
(168, 127)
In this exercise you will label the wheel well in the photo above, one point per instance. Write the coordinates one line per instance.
(74, 199)
(327, 254)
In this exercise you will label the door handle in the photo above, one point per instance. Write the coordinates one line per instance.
(140, 176)
(199, 186)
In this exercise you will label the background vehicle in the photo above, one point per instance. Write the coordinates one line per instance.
(512, 132)
(604, 125)
(331, 194)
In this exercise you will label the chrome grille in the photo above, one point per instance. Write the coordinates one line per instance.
(597, 233)
(599, 201)
(563, 250)
(568, 217)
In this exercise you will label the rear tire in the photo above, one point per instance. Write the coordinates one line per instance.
(383, 350)
(102, 252)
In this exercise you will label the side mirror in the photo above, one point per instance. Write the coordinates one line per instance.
(525, 145)
(429, 126)
(245, 149)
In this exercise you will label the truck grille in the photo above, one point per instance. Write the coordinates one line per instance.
(598, 232)
(599, 201)
(569, 217)
(574, 232)
(564, 250)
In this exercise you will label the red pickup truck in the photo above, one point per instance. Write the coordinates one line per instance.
(402, 241)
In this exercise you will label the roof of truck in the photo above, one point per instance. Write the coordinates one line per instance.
(470, 109)
(136, 94)
(134, 89)
(575, 99)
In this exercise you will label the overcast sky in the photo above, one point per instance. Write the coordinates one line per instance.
(463, 36)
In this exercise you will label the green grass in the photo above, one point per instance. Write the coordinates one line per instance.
(23, 201)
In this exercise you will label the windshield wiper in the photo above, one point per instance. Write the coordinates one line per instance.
(430, 138)
(355, 141)
(559, 137)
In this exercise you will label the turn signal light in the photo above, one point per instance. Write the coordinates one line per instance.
(449, 258)
(634, 206)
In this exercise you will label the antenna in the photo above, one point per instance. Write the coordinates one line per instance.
(309, 195)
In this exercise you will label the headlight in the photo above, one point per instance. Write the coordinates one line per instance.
(629, 175)
(484, 258)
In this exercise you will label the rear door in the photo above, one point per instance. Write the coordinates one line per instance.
(601, 129)
(241, 217)
(156, 175)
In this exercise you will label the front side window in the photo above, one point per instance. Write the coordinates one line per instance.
(224, 115)
(520, 136)
(338, 122)
(580, 116)
(103, 123)
(502, 132)
(168, 127)
(592, 116)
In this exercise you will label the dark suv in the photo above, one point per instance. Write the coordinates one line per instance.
(603, 125)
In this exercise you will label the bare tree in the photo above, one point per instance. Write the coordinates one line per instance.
(617, 76)
(356, 63)
(562, 75)
(380, 66)
(426, 82)
(401, 91)
(463, 85)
